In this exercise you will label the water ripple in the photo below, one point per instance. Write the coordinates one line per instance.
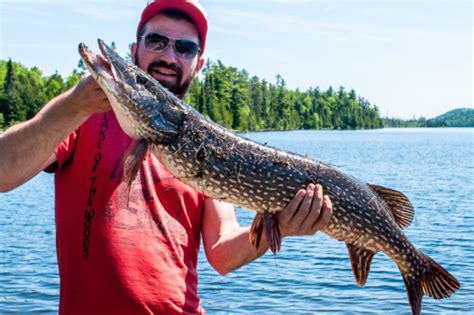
(435, 168)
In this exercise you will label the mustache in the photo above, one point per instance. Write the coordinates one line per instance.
(171, 66)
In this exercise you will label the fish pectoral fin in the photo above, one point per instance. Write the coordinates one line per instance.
(256, 230)
(132, 159)
(360, 261)
(267, 223)
(399, 204)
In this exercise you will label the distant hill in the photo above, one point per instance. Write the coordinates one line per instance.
(460, 117)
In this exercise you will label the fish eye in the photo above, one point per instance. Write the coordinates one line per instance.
(141, 79)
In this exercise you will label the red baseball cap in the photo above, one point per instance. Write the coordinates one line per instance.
(191, 7)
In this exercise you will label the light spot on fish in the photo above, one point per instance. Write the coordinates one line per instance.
(355, 215)
(215, 181)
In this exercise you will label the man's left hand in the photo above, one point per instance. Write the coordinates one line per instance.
(309, 211)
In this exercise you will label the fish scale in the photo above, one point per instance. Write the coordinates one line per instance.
(225, 166)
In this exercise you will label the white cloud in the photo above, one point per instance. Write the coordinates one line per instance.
(338, 29)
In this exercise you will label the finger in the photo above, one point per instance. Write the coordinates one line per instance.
(305, 206)
(287, 214)
(317, 201)
(326, 214)
(87, 80)
(315, 210)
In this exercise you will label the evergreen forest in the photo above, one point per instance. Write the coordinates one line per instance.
(227, 95)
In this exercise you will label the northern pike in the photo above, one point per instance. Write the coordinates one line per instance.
(224, 166)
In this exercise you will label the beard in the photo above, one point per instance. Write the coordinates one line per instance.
(180, 87)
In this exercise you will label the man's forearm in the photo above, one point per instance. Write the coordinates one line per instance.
(228, 246)
(27, 147)
(235, 250)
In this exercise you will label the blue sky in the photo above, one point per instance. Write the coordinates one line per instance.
(410, 58)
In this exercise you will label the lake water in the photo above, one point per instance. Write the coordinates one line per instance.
(433, 167)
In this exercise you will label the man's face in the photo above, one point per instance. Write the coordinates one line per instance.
(172, 71)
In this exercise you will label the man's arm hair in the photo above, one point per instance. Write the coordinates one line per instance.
(28, 148)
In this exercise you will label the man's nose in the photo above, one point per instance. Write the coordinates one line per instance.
(169, 55)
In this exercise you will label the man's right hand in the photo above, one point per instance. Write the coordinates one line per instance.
(88, 97)
(28, 148)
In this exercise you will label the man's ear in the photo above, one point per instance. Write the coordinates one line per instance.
(200, 64)
(133, 51)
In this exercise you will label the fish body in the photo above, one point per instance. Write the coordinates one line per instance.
(225, 166)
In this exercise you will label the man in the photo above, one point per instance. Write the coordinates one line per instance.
(137, 253)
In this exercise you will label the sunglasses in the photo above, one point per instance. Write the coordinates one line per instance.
(183, 48)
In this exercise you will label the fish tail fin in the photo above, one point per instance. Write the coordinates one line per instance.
(268, 223)
(434, 282)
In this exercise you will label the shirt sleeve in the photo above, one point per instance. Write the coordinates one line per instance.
(64, 151)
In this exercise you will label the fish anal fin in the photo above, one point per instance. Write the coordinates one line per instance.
(399, 204)
(360, 261)
(267, 223)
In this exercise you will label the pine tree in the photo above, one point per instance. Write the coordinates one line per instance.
(11, 105)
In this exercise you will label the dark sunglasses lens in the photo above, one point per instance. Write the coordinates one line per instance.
(156, 42)
(186, 48)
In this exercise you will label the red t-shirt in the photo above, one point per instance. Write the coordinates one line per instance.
(121, 253)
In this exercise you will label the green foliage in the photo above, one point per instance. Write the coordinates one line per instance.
(461, 117)
(23, 91)
(227, 95)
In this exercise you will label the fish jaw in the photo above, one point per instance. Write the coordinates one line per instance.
(101, 70)
(138, 110)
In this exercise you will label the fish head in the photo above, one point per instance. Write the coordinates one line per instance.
(144, 108)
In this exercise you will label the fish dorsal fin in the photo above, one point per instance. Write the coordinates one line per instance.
(360, 261)
(398, 203)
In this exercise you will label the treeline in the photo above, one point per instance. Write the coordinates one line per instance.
(227, 95)
(24, 91)
(460, 117)
(237, 101)
(421, 122)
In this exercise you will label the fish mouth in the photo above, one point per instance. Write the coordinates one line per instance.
(144, 108)
(97, 63)
(108, 70)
